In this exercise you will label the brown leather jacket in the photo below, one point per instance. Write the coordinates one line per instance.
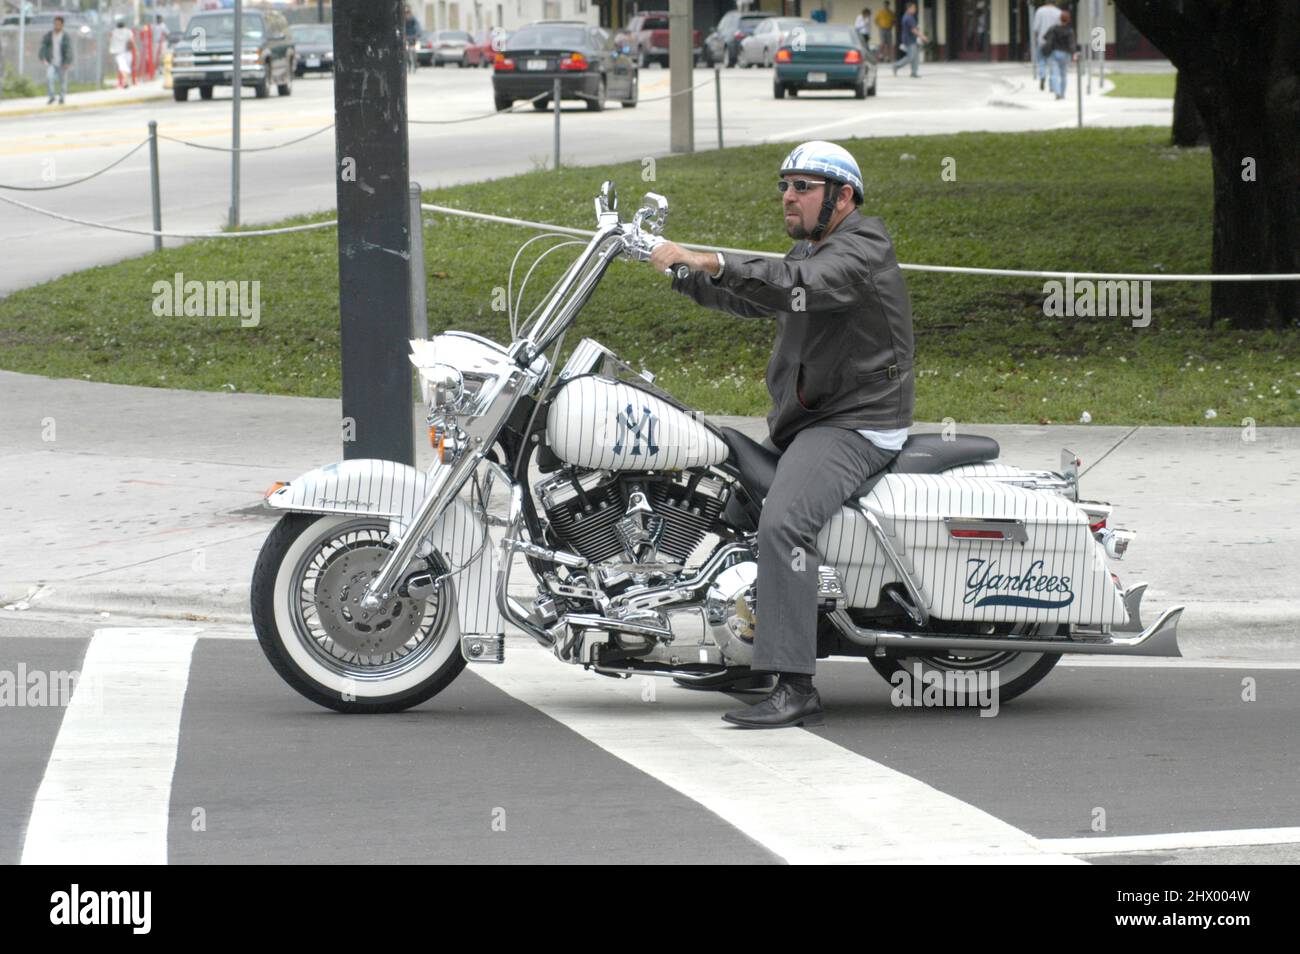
(843, 328)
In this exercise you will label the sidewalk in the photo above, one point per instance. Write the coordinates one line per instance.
(140, 93)
(147, 502)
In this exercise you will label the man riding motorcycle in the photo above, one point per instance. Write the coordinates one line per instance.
(840, 378)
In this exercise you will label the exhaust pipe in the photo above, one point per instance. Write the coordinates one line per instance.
(1158, 639)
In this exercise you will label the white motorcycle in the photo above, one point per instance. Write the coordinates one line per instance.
(640, 532)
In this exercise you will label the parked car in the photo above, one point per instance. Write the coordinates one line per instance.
(647, 36)
(485, 45)
(443, 47)
(829, 56)
(585, 59)
(759, 48)
(723, 44)
(314, 44)
(39, 21)
(204, 56)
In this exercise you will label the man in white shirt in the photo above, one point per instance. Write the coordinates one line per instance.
(121, 44)
(1045, 17)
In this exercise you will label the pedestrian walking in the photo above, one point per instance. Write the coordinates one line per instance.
(1045, 17)
(885, 23)
(56, 54)
(1060, 48)
(862, 26)
(121, 44)
(911, 38)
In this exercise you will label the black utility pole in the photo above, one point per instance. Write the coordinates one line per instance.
(374, 228)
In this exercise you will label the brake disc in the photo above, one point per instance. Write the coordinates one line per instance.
(370, 632)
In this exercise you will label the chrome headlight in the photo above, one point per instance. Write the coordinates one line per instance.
(459, 372)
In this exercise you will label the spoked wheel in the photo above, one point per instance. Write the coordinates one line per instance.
(306, 603)
(1017, 672)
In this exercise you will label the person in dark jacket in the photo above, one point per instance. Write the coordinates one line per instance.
(1060, 49)
(56, 54)
(840, 378)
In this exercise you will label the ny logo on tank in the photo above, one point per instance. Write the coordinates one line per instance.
(985, 586)
(625, 421)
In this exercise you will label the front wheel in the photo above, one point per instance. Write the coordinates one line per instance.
(1017, 672)
(306, 593)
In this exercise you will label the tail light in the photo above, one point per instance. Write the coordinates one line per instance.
(783, 55)
(573, 61)
(502, 62)
(852, 56)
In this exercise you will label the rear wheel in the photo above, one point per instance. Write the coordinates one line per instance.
(541, 104)
(1017, 672)
(285, 88)
(503, 102)
(630, 102)
(597, 103)
(305, 601)
(181, 93)
(860, 90)
(778, 90)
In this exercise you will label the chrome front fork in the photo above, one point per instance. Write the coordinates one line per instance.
(436, 501)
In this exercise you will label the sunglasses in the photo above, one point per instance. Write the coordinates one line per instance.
(800, 185)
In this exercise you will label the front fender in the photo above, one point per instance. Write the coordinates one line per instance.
(385, 488)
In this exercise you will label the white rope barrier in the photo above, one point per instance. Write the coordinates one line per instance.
(952, 269)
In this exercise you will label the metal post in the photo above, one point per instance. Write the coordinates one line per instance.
(22, 34)
(374, 232)
(555, 103)
(1078, 87)
(681, 63)
(717, 97)
(236, 87)
(153, 184)
(419, 312)
(1086, 50)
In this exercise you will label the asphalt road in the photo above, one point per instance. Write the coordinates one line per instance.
(537, 762)
(52, 148)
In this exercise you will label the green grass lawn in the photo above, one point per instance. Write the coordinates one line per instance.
(1143, 85)
(1090, 200)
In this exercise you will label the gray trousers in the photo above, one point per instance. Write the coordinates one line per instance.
(815, 476)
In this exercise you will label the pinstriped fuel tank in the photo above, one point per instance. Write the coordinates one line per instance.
(606, 424)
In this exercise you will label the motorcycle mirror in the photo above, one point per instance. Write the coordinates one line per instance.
(608, 199)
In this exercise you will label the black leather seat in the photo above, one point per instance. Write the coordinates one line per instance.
(921, 454)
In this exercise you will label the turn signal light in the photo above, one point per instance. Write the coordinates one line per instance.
(438, 441)
(573, 61)
(502, 62)
(783, 55)
(852, 56)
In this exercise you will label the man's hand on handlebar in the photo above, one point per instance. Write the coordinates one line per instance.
(670, 254)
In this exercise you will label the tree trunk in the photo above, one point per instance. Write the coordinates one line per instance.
(1188, 129)
(1240, 65)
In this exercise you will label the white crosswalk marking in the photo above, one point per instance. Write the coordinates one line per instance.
(803, 797)
(106, 790)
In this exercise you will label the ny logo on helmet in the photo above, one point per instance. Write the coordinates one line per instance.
(626, 421)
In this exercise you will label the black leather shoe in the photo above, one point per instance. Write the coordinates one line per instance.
(785, 707)
(738, 679)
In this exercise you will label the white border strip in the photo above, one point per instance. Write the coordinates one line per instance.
(107, 786)
(1130, 844)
